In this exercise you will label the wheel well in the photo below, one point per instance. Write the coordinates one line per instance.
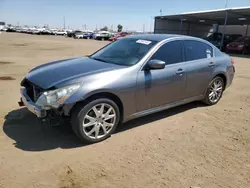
(110, 96)
(224, 79)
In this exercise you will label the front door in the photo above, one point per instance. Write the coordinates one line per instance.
(162, 86)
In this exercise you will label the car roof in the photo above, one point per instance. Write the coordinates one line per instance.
(159, 37)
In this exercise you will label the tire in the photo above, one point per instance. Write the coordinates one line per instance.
(207, 98)
(82, 113)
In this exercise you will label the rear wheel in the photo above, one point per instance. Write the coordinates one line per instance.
(214, 91)
(96, 120)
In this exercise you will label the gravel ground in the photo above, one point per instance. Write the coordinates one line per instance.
(191, 145)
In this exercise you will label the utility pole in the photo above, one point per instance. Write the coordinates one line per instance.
(160, 12)
(225, 25)
(63, 21)
(151, 19)
(226, 1)
(143, 28)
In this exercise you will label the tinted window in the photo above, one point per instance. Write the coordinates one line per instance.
(170, 53)
(197, 50)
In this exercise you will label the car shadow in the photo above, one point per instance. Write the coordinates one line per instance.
(30, 134)
(158, 116)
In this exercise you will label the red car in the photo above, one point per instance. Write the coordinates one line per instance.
(241, 45)
(122, 34)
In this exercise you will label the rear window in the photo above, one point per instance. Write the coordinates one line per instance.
(195, 50)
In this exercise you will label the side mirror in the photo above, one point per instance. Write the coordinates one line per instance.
(155, 64)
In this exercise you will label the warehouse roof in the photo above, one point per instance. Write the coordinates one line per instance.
(236, 16)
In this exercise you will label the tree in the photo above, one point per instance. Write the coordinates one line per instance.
(119, 28)
(105, 28)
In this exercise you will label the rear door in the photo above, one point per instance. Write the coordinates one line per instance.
(199, 66)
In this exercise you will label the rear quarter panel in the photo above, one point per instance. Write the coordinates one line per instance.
(224, 66)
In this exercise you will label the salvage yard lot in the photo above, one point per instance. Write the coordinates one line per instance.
(191, 145)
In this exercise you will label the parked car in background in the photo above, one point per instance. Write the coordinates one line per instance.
(241, 45)
(73, 33)
(45, 32)
(103, 35)
(132, 77)
(88, 35)
(79, 35)
(114, 38)
(10, 29)
(35, 32)
(119, 35)
(4, 29)
(215, 39)
(53, 31)
(60, 32)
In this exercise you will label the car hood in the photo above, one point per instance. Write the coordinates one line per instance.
(59, 72)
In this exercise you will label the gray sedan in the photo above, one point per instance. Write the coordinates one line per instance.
(132, 77)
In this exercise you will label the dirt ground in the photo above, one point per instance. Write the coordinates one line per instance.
(191, 145)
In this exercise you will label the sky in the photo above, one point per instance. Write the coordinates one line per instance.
(132, 14)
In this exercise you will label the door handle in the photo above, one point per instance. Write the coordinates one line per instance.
(180, 71)
(211, 64)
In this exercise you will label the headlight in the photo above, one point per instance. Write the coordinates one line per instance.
(56, 97)
(241, 46)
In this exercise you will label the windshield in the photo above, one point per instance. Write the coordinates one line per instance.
(243, 39)
(127, 51)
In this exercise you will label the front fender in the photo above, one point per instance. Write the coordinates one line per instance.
(119, 83)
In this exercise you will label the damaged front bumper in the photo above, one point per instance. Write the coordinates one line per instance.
(32, 107)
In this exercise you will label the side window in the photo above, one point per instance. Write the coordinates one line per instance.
(170, 53)
(197, 50)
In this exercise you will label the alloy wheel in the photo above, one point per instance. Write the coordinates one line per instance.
(215, 90)
(99, 121)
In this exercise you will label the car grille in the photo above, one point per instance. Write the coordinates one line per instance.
(32, 90)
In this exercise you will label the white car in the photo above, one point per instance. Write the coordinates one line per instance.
(103, 35)
(60, 32)
(79, 35)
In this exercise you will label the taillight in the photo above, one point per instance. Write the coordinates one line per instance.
(232, 61)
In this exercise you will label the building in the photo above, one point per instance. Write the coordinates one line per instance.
(226, 21)
(2, 25)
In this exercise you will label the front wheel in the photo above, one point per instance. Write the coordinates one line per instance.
(214, 91)
(96, 120)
